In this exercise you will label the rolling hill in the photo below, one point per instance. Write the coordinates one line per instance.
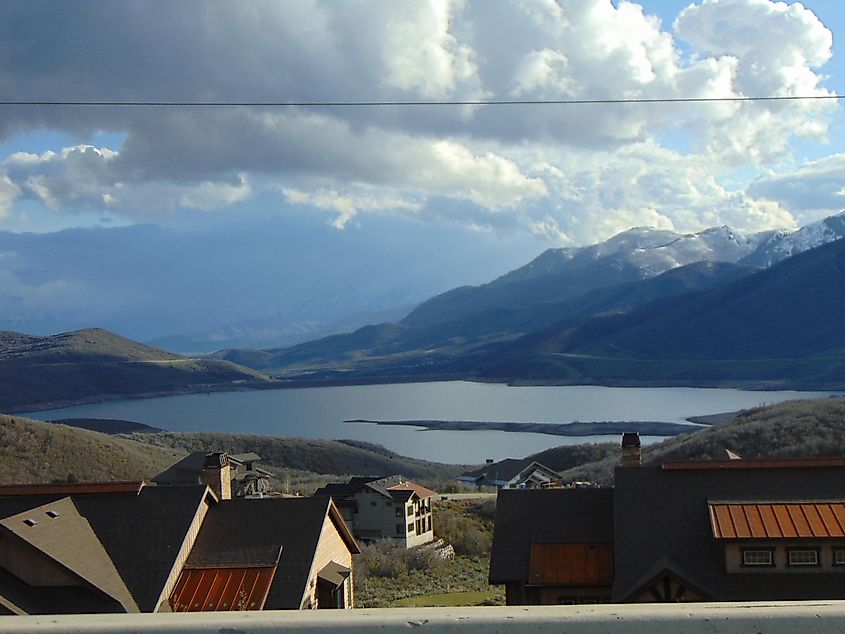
(794, 429)
(94, 364)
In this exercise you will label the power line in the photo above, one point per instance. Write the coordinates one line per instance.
(369, 104)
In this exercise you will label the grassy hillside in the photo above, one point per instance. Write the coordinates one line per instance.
(36, 452)
(93, 364)
(795, 429)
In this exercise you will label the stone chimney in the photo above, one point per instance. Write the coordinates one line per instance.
(217, 474)
(631, 456)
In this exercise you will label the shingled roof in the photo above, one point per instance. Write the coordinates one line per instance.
(142, 532)
(524, 517)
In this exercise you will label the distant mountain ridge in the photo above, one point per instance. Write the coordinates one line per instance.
(95, 364)
(481, 331)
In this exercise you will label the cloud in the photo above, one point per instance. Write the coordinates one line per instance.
(348, 205)
(564, 172)
(812, 190)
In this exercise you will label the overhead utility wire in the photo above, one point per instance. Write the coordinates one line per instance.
(363, 104)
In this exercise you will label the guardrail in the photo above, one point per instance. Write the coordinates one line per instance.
(719, 618)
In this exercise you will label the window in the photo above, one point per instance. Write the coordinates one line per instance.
(373, 503)
(410, 510)
(399, 529)
(388, 504)
(410, 528)
(802, 556)
(758, 557)
(398, 511)
(839, 556)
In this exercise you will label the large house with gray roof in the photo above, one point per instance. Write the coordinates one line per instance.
(377, 508)
(722, 530)
(511, 473)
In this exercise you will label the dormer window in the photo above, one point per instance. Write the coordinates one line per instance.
(802, 557)
(758, 557)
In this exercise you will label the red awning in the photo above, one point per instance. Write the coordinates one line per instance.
(221, 589)
(777, 520)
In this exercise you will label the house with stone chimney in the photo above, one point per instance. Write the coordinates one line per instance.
(391, 507)
(129, 547)
(228, 475)
(707, 530)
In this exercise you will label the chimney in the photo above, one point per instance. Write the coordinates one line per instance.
(217, 473)
(489, 461)
(631, 456)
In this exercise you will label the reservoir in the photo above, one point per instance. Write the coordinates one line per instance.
(320, 412)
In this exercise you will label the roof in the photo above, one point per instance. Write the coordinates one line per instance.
(130, 486)
(60, 532)
(384, 486)
(245, 457)
(355, 484)
(421, 491)
(777, 520)
(524, 517)
(665, 514)
(187, 471)
(221, 589)
(141, 532)
(251, 530)
(504, 470)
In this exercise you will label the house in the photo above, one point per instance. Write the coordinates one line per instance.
(384, 508)
(511, 473)
(127, 547)
(722, 530)
(245, 478)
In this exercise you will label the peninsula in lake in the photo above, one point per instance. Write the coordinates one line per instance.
(576, 429)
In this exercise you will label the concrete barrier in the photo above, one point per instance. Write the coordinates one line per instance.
(716, 618)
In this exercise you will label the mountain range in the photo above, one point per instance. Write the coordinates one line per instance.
(647, 306)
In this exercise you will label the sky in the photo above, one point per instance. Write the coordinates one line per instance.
(179, 220)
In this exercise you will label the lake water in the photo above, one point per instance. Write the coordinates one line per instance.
(320, 412)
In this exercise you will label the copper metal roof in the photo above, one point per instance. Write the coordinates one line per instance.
(221, 589)
(72, 489)
(793, 463)
(731, 520)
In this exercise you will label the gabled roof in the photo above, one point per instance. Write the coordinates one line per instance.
(62, 534)
(141, 532)
(524, 517)
(252, 530)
